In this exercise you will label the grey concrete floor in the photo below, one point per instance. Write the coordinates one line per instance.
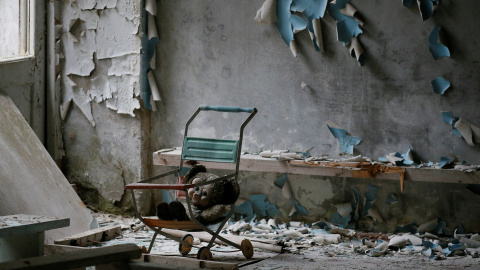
(339, 256)
(317, 258)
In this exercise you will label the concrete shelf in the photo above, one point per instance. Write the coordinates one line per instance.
(22, 236)
(255, 163)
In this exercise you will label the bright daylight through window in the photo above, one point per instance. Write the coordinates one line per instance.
(15, 28)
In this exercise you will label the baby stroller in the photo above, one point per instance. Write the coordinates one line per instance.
(198, 149)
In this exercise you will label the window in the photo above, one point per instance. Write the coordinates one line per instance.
(16, 19)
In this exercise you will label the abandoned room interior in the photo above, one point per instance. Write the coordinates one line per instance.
(255, 134)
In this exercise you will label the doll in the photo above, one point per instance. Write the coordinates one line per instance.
(209, 202)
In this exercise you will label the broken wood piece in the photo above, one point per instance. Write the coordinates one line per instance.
(89, 237)
(77, 259)
(206, 237)
(189, 263)
(327, 238)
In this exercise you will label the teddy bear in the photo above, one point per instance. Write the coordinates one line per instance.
(209, 202)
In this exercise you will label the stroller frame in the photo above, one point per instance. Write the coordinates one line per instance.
(198, 149)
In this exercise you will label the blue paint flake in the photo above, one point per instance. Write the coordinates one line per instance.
(346, 141)
(347, 27)
(299, 210)
(280, 182)
(244, 209)
(337, 219)
(449, 119)
(284, 26)
(437, 48)
(258, 202)
(444, 162)
(289, 23)
(148, 50)
(262, 207)
(440, 85)
(427, 7)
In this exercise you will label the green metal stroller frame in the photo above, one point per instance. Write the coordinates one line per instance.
(199, 149)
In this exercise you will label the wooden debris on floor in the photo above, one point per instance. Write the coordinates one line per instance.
(93, 236)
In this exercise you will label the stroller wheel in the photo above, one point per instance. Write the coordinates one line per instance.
(204, 254)
(185, 249)
(247, 248)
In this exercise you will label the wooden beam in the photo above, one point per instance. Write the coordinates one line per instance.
(441, 176)
(256, 163)
(76, 259)
(184, 262)
(89, 237)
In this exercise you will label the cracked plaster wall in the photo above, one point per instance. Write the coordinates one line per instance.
(98, 59)
(212, 53)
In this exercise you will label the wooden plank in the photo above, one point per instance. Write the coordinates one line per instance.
(442, 176)
(255, 163)
(188, 262)
(76, 259)
(89, 237)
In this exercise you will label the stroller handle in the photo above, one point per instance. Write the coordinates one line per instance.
(231, 109)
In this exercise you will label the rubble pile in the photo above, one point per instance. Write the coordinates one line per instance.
(298, 236)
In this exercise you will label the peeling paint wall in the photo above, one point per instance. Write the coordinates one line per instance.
(213, 53)
(420, 202)
(101, 51)
(98, 52)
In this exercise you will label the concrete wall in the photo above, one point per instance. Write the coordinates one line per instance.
(211, 52)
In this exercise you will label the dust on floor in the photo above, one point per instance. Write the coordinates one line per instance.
(307, 253)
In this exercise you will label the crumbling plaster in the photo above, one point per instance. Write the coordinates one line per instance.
(98, 58)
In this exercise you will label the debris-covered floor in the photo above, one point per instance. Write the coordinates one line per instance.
(318, 246)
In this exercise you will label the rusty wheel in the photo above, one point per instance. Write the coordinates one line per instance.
(247, 248)
(204, 254)
(185, 249)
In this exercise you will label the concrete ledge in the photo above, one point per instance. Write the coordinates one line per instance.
(255, 163)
